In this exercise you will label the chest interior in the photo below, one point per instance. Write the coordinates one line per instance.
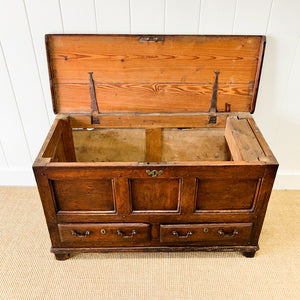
(154, 98)
(234, 140)
(150, 145)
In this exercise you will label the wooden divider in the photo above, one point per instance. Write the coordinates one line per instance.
(242, 141)
(153, 145)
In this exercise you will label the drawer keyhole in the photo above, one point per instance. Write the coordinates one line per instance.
(103, 231)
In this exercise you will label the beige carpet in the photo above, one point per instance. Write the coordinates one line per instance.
(29, 271)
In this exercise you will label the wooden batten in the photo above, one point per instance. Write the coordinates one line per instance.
(151, 120)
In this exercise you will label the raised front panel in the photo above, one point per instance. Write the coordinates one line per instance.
(155, 194)
(226, 194)
(84, 194)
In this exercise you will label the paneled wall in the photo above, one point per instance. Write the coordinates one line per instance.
(25, 101)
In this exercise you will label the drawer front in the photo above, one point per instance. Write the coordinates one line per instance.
(98, 233)
(210, 234)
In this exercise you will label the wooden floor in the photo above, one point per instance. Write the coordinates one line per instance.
(29, 271)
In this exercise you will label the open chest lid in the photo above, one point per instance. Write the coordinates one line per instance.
(153, 74)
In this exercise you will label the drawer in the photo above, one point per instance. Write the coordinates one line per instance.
(113, 233)
(219, 233)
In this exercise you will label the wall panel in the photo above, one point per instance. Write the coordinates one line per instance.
(13, 141)
(288, 137)
(3, 162)
(113, 16)
(147, 16)
(78, 16)
(217, 16)
(251, 17)
(43, 17)
(182, 16)
(284, 18)
(18, 50)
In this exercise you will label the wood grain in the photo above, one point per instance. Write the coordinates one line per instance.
(110, 237)
(205, 233)
(67, 139)
(109, 145)
(59, 151)
(177, 59)
(84, 195)
(201, 144)
(149, 120)
(150, 145)
(180, 67)
(153, 144)
(153, 194)
(145, 97)
(226, 194)
(241, 140)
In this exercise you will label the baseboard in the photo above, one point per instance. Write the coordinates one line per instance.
(284, 181)
(287, 181)
(17, 177)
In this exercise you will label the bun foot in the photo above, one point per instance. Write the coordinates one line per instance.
(62, 256)
(249, 254)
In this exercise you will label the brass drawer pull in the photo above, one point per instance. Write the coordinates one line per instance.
(81, 235)
(189, 233)
(123, 235)
(222, 232)
(154, 173)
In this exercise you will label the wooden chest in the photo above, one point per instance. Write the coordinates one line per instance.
(154, 147)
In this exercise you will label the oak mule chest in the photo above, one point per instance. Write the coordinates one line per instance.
(154, 147)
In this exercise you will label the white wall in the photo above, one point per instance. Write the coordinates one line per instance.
(25, 101)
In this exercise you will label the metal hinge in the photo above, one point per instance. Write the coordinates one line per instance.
(151, 38)
(213, 102)
(94, 104)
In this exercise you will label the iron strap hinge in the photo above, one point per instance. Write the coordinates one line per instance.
(213, 102)
(152, 38)
(94, 104)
